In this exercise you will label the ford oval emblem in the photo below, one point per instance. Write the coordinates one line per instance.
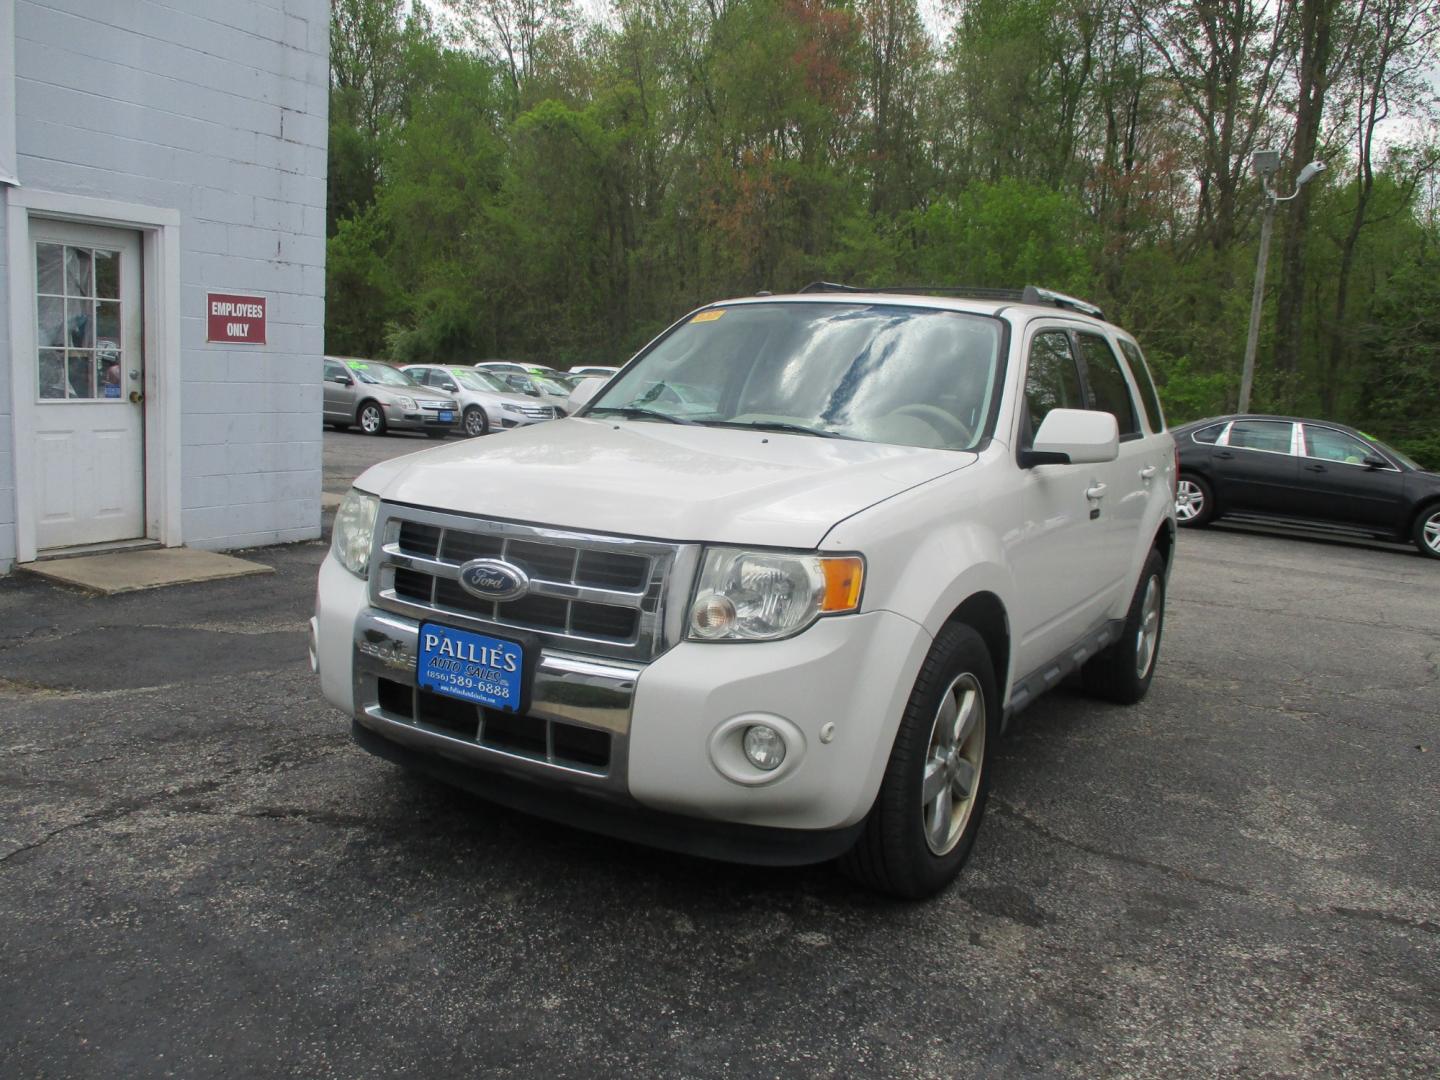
(491, 579)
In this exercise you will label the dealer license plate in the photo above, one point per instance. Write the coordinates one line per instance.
(472, 667)
(447, 417)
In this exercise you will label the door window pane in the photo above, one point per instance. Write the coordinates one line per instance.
(77, 273)
(52, 373)
(49, 275)
(1329, 445)
(79, 324)
(1272, 435)
(1052, 381)
(1108, 390)
(109, 363)
(80, 372)
(49, 322)
(107, 321)
(107, 274)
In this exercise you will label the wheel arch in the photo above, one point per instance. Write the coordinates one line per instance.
(984, 612)
(1425, 507)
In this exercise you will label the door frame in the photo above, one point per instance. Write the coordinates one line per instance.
(159, 230)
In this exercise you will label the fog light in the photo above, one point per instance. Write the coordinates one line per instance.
(764, 747)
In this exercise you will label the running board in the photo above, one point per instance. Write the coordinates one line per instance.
(1050, 675)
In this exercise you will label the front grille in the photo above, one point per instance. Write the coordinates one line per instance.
(554, 742)
(438, 406)
(538, 412)
(589, 593)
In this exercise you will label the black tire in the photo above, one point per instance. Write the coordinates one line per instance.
(1122, 673)
(371, 418)
(1194, 501)
(896, 853)
(1426, 533)
(475, 423)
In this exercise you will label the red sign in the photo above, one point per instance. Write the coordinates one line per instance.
(235, 320)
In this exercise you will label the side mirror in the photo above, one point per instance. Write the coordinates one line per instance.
(343, 380)
(1074, 436)
(447, 385)
(1373, 462)
(584, 390)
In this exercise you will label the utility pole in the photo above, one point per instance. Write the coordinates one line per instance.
(1266, 162)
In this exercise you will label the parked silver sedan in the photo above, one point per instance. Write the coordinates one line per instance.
(380, 398)
(486, 403)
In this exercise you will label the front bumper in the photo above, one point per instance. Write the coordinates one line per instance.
(398, 418)
(647, 742)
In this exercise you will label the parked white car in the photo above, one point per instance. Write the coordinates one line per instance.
(599, 370)
(486, 403)
(783, 616)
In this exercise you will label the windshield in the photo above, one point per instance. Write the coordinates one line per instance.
(873, 372)
(490, 381)
(1404, 459)
(550, 386)
(471, 380)
(379, 374)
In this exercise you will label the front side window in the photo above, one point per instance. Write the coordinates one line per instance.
(1109, 392)
(1270, 435)
(1330, 445)
(879, 373)
(1052, 379)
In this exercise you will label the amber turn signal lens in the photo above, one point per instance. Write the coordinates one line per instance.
(844, 574)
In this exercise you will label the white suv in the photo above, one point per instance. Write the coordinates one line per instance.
(774, 593)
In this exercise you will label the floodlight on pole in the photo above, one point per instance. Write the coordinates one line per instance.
(1266, 163)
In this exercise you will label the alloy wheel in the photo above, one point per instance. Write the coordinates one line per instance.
(1431, 532)
(1147, 638)
(1189, 500)
(952, 764)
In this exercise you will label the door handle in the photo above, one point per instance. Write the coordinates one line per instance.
(136, 397)
(1148, 472)
(1224, 454)
(1096, 491)
(1316, 468)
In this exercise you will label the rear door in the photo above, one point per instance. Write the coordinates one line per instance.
(1256, 469)
(1335, 484)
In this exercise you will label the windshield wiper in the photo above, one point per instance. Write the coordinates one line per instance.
(781, 425)
(631, 412)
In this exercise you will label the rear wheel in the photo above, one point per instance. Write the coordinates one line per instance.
(1194, 501)
(476, 422)
(1122, 673)
(924, 822)
(371, 418)
(1427, 531)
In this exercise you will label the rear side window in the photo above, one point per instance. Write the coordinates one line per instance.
(1052, 380)
(1148, 397)
(1108, 390)
(1271, 435)
(1209, 434)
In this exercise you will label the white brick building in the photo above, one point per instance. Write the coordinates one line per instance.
(153, 153)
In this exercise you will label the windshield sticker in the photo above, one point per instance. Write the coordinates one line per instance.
(709, 316)
(357, 365)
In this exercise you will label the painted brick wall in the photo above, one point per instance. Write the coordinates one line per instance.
(216, 108)
(7, 469)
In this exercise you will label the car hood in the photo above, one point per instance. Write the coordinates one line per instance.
(672, 482)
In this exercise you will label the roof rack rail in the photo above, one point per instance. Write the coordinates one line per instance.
(1030, 294)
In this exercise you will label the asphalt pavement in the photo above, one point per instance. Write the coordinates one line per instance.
(201, 876)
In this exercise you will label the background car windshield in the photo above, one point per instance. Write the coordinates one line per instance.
(490, 381)
(550, 386)
(471, 380)
(384, 376)
(879, 373)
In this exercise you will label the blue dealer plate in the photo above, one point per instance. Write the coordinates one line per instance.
(471, 667)
(447, 417)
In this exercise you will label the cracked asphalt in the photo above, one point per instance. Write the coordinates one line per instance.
(201, 876)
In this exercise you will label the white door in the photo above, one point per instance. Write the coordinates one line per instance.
(89, 481)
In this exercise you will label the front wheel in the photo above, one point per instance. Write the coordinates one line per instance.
(476, 422)
(1194, 501)
(1427, 531)
(371, 419)
(925, 819)
(1122, 673)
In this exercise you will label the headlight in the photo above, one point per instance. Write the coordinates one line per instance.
(354, 531)
(406, 402)
(763, 595)
(511, 408)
